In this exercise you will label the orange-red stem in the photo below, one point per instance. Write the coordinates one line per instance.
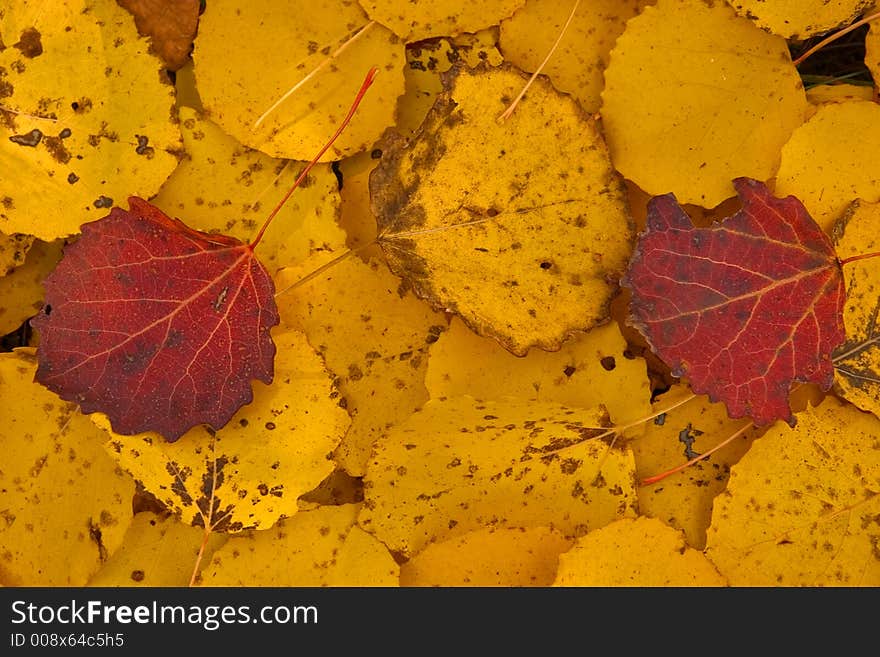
(302, 176)
(862, 256)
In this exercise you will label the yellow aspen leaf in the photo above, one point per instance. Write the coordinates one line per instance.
(824, 162)
(13, 250)
(226, 187)
(800, 19)
(425, 63)
(251, 472)
(321, 547)
(872, 50)
(580, 59)
(857, 361)
(513, 556)
(286, 42)
(374, 337)
(838, 93)
(462, 464)
(684, 500)
(81, 127)
(635, 552)
(65, 505)
(521, 227)
(21, 291)
(156, 551)
(690, 125)
(589, 369)
(475, 48)
(414, 20)
(338, 488)
(802, 506)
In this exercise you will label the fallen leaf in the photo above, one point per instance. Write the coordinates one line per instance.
(588, 370)
(518, 227)
(286, 43)
(857, 361)
(799, 20)
(635, 552)
(13, 250)
(838, 93)
(802, 507)
(156, 551)
(696, 96)
(65, 504)
(872, 50)
(512, 556)
(462, 464)
(21, 291)
(824, 162)
(157, 325)
(170, 24)
(86, 117)
(580, 59)
(415, 20)
(744, 308)
(250, 473)
(323, 547)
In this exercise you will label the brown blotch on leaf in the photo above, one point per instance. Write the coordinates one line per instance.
(137, 575)
(32, 138)
(29, 44)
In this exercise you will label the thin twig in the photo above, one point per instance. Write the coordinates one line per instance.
(835, 36)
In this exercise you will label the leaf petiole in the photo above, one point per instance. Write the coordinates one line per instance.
(861, 256)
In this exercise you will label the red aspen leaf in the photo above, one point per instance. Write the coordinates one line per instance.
(159, 326)
(744, 308)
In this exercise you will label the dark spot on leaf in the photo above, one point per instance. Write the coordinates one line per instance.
(569, 370)
(270, 425)
(30, 139)
(137, 575)
(103, 202)
(608, 363)
(546, 265)
(376, 153)
(143, 148)
(64, 134)
(29, 43)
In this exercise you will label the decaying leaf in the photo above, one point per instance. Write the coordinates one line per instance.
(414, 20)
(251, 472)
(590, 369)
(684, 500)
(857, 361)
(225, 187)
(81, 127)
(635, 552)
(824, 162)
(286, 42)
(803, 506)
(65, 505)
(170, 24)
(744, 308)
(462, 464)
(517, 227)
(156, 551)
(13, 250)
(157, 325)
(374, 337)
(21, 290)
(696, 96)
(512, 556)
(800, 19)
(323, 547)
(578, 63)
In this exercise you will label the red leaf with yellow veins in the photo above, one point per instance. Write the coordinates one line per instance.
(159, 326)
(744, 308)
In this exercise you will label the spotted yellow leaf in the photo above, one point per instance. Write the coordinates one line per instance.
(800, 19)
(414, 20)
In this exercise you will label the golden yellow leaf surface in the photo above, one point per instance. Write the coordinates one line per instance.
(580, 59)
(513, 556)
(251, 472)
(588, 370)
(696, 96)
(321, 547)
(374, 337)
(872, 50)
(229, 188)
(21, 290)
(800, 19)
(857, 361)
(684, 500)
(462, 464)
(65, 505)
(414, 20)
(635, 552)
(518, 227)
(81, 127)
(823, 164)
(156, 551)
(803, 506)
(838, 93)
(13, 250)
(286, 42)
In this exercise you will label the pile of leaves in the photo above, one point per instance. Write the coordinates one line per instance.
(466, 345)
